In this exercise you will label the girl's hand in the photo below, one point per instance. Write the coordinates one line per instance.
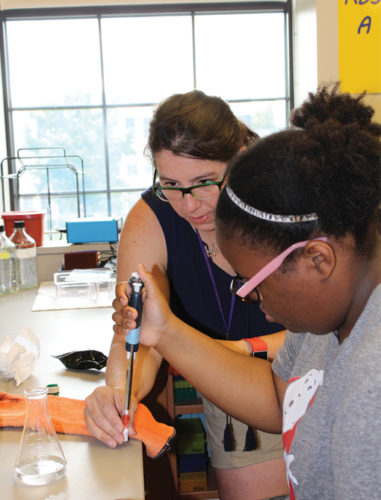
(156, 311)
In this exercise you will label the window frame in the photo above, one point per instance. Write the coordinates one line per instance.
(100, 12)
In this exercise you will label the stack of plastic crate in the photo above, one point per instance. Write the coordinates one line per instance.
(191, 454)
(183, 390)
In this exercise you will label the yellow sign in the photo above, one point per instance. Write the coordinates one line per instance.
(360, 45)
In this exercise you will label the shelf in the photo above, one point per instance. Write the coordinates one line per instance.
(186, 407)
(183, 408)
(210, 492)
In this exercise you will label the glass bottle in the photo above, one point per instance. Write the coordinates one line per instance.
(7, 263)
(40, 458)
(26, 260)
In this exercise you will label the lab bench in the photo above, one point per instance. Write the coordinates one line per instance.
(94, 471)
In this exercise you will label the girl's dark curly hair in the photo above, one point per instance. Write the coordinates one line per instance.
(198, 125)
(329, 163)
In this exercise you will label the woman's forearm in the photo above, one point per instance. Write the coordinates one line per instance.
(116, 363)
(146, 367)
(273, 342)
(240, 346)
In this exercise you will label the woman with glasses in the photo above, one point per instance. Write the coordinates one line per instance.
(172, 231)
(300, 220)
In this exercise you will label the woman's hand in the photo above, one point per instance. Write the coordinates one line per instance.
(102, 414)
(120, 304)
(103, 411)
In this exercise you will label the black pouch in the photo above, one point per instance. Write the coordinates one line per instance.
(83, 360)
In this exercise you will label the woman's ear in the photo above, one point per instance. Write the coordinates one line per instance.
(322, 257)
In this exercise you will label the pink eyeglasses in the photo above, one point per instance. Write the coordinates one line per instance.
(273, 265)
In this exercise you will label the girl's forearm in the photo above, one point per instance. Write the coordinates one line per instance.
(240, 385)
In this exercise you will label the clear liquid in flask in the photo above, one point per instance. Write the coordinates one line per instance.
(40, 459)
(41, 471)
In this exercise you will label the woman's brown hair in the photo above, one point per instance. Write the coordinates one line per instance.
(195, 124)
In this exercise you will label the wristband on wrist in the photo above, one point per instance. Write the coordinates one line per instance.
(258, 347)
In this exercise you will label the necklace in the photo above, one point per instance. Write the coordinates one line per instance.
(211, 250)
(210, 247)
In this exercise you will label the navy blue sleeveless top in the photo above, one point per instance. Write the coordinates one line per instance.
(192, 296)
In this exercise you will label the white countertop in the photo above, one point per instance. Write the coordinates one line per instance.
(94, 471)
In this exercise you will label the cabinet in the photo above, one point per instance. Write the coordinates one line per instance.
(183, 409)
(161, 475)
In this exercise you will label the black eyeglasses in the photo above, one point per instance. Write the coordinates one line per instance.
(198, 191)
(236, 283)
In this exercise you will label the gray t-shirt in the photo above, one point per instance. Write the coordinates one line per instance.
(332, 410)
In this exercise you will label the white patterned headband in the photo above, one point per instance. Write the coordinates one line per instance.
(267, 216)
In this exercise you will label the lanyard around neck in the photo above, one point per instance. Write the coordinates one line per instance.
(217, 295)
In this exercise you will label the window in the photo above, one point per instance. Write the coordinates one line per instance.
(86, 81)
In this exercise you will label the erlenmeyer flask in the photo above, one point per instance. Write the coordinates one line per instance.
(40, 458)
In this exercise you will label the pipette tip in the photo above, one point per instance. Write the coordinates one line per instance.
(125, 434)
(126, 421)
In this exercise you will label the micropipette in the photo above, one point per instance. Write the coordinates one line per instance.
(132, 345)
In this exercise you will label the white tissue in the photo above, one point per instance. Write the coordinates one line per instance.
(18, 357)
(60, 496)
(13, 355)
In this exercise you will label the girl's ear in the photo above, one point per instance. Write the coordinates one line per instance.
(322, 257)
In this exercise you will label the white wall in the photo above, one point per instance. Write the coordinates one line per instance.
(305, 49)
(328, 42)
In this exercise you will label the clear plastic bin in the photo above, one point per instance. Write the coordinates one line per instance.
(89, 285)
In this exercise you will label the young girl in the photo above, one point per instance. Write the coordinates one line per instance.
(299, 221)
(172, 231)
